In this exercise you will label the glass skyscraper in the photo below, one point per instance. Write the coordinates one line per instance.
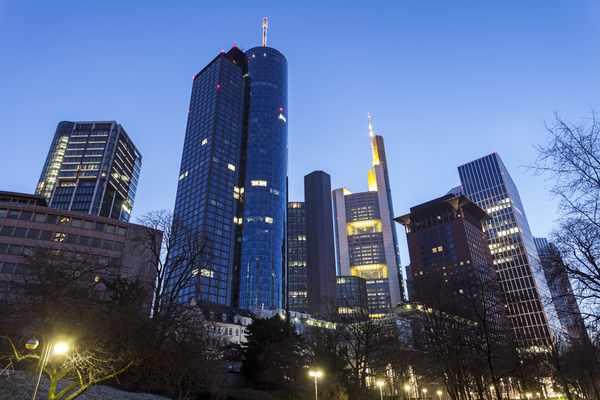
(366, 239)
(232, 182)
(486, 181)
(93, 168)
(296, 257)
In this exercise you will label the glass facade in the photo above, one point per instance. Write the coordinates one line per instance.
(563, 297)
(209, 193)
(265, 203)
(232, 181)
(486, 182)
(296, 257)
(93, 168)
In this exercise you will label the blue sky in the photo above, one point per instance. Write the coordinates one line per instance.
(445, 82)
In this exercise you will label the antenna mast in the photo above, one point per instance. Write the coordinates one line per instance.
(265, 25)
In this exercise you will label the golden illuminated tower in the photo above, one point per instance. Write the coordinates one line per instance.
(366, 239)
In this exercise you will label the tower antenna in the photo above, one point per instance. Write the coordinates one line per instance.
(265, 26)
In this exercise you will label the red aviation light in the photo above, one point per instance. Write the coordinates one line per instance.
(280, 108)
(222, 51)
(218, 86)
(234, 46)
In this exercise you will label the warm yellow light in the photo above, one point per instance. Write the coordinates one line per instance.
(379, 383)
(61, 348)
(439, 392)
(371, 271)
(407, 388)
(361, 227)
(318, 374)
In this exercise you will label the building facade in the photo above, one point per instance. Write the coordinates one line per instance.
(92, 168)
(486, 182)
(28, 226)
(561, 291)
(233, 176)
(296, 257)
(366, 240)
(449, 253)
(320, 244)
(353, 301)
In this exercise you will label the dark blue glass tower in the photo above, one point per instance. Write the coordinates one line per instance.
(232, 182)
(265, 203)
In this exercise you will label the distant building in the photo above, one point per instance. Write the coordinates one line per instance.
(303, 323)
(366, 240)
(352, 296)
(296, 257)
(320, 243)
(91, 168)
(231, 322)
(486, 182)
(562, 293)
(448, 248)
(28, 226)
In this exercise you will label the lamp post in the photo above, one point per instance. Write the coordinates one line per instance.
(316, 374)
(407, 388)
(439, 393)
(424, 393)
(380, 384)
(491, 392)
(32, 344)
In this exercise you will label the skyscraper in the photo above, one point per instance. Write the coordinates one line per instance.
(561, 291)
(486, 182)
(297, 280)
(232, 182)
(93, 168)
(449, 252)
(320, 248)
(366, 240)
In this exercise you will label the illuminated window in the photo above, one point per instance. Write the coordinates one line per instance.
(207, 273)
(204, 142)
(269, 220)
(231, 167)
(258, 183)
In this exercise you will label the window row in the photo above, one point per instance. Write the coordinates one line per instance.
(62, 220)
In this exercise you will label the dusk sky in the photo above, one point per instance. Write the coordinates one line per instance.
(446, 82)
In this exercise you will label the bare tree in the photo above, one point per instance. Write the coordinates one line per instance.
(570, 158)
(117, 319)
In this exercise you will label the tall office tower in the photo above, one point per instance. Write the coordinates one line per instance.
(232, 182)
(93, 168)
(320, 260)
(561, 292)
(296, 257)
(486, 181)
(366, 240)
(448, 248)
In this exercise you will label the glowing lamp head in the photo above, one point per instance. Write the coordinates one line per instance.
(61, 348)
(32, 344)
(439, 392)
(318, 374)
(379, 383)
(407, 388)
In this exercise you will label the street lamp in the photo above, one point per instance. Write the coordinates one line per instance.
(316, 374)
(492, 392)
(424, 393)
(32, 344)
(407, 391)
(439, 393)
(380, 384)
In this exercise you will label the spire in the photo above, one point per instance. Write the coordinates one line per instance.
(265, 26)
(373, 143)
